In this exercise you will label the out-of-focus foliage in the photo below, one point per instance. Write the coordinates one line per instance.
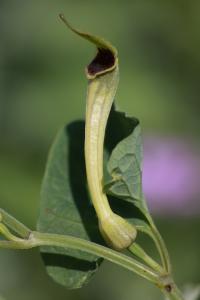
(42, 87)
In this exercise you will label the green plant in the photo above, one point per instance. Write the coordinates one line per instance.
(68, 228)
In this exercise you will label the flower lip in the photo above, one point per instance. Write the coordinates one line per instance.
(106, 58)
(104, 61)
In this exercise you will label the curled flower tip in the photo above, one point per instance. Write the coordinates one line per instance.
(106, 59)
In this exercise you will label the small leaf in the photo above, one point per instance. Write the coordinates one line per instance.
(124, 167)
(66, 209)
(123, 148)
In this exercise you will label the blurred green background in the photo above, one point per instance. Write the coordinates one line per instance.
(42, 87)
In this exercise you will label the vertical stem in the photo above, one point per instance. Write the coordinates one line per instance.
(160, 244)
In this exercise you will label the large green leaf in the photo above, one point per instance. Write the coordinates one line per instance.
(66, 209)
(65, 206)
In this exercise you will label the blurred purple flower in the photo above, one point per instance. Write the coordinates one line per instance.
(171, 172)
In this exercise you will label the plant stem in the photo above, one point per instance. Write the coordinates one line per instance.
(174, 294)
(14, 224)
(28, 239)
(139, 252)
(45, 239)
(160, 244)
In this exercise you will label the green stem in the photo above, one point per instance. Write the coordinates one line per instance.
(160, 244)
(174, 294)
(45, 239)
(14, 224)
(139, 252)
(107, 253)
(27, 239)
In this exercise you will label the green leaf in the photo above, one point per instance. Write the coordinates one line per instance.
(124, 166)
(65, 206)
(66, 209)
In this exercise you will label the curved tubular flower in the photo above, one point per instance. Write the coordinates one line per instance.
(103, 77)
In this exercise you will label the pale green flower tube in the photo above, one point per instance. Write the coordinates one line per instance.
(103, 76)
